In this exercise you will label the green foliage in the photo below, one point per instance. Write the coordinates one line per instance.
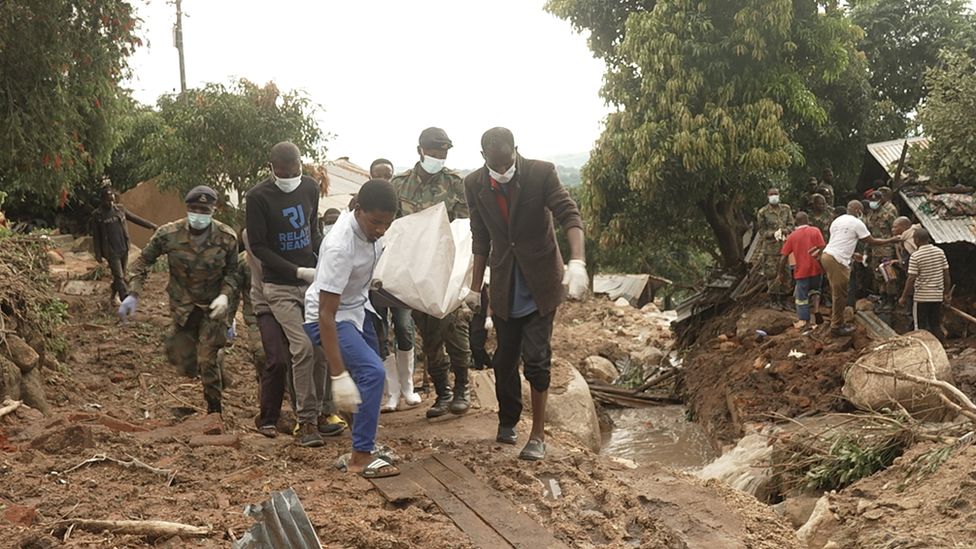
(132, 161)
(849, 460)
(61, 62)
(902, 40)
(220, 136)
(717, 100)
(946, 116)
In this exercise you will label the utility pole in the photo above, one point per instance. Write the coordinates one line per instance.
(178, 42)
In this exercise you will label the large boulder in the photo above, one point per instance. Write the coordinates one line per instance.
(21, 353)
(32, 391)
(916, 353)
(600, 369)
(771, 321)
(570, 407)
(10, 378)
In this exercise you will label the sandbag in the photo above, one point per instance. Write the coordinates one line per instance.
(427, 261)
(917, 353)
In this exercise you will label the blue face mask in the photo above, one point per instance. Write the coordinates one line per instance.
(198, 220)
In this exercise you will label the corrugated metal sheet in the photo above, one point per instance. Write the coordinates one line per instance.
(943, 231)
(345, 177)
(888, 153)
(629, 287)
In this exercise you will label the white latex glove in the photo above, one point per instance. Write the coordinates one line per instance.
(345, 394)
(779, 235)
(128, 307)
(489, 324)
(306, 273)
(218, 307)
(576, 279)
(471, 299)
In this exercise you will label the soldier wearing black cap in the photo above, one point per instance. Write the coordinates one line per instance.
(427, 184)
(202, 257)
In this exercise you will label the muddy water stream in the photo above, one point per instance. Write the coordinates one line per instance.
(657, 434)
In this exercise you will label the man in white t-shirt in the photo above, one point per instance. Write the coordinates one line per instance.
(845, 232)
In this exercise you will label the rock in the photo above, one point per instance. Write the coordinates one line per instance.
(21, 353)
(727, 346)
(650, 308)
(600, 369)
(917, 353)
(19, 515)
(771, 321)
(209, 424)
(823, 523)
(231, 441)
(797, 510)
(55, 258)
(83, 244)
(117, 377)
(570, 407)
(61, 438)
(649, 357)
(10, 379)
(864, 305)
(84, 287)
(722, 338)
(32, 391)
(621, 302)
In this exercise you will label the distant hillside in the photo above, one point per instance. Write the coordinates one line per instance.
(568, 176)
(573, 160)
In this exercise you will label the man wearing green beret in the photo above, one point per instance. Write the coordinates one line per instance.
(202, 256)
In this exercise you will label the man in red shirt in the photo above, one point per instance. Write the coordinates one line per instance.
(804, 243)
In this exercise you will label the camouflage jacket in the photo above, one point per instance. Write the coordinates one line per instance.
(416, 195)
(822, 221)
(196, 275)
(768, 221)
(879, 223)
(242, 294)
(827, 191)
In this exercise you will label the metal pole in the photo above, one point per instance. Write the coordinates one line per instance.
(179, 43)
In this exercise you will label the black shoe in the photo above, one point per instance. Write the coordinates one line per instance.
(506, 435)
(440, 406)
(534, 450)
(214, 407)
(843, 331)
(460, 404)
(309, 437)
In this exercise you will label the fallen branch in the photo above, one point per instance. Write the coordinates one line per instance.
(657, 379)
(959, 401)
(962, 315)
(168, 474)
(180, 399)
(152, 528)
(10, 406)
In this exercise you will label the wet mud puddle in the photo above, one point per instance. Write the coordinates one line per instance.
(658, 434)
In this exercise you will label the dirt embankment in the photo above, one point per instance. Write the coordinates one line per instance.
(116, 395)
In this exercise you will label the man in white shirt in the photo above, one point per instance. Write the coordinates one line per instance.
(345, 329)
(845, 232)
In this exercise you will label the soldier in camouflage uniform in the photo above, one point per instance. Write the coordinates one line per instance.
(774, 221)
(879, 220)
(427, 184)
(203, 273)
(820, 215)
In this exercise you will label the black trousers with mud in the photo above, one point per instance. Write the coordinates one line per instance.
(527, 338)
(118, 265)
(193, 349)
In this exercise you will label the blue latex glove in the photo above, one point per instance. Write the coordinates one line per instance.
(232, 330)
(128, 307)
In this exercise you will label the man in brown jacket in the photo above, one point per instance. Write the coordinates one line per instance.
(512, 201)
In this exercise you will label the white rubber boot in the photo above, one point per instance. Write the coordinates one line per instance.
(390, 392)
(404, 363)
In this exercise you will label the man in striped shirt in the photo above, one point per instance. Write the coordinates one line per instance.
(928, 282)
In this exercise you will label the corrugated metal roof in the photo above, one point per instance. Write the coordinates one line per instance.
(345, 177)
(888, 153)
(629, 287)
(943, 231)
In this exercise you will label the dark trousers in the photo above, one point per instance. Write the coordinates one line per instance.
(478, 335)
(118, 265)
(274, 376)
(928, 317)
(527, 338)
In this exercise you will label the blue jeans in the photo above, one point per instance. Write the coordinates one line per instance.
(360, 351)
(805, 288)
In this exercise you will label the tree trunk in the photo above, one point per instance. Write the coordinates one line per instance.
(723, 218)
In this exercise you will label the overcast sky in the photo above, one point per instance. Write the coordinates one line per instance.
(385, 69)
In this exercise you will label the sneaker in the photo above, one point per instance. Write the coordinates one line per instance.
(309, 436)
(331, 426)
(269, 431)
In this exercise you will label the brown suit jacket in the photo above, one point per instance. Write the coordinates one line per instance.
(528, 239)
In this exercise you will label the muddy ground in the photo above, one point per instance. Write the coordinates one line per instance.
(116, 395)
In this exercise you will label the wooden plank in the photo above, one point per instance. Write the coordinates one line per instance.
(481, 534)
(406, 485)
(504, 517)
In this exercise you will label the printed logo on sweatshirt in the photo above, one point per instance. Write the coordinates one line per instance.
(300, 238)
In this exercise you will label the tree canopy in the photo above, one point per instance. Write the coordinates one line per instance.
(951, 156)
(716, 100)
(902, 40)
(220, 136)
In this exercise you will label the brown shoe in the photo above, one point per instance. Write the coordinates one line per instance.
(309, 437)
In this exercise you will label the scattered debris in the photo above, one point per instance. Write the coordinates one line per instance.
(168, 474)
(281, 522)
(148, 528)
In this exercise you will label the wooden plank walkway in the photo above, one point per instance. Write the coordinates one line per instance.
(478, 510)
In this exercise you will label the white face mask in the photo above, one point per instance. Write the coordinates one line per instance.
(288, 184)
(198, 220)
(432, 165)
(774, 199)
(502, 177)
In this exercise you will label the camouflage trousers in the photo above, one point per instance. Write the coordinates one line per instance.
(445, 342)
(878, 284)
(193, 349)
(770, 271)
